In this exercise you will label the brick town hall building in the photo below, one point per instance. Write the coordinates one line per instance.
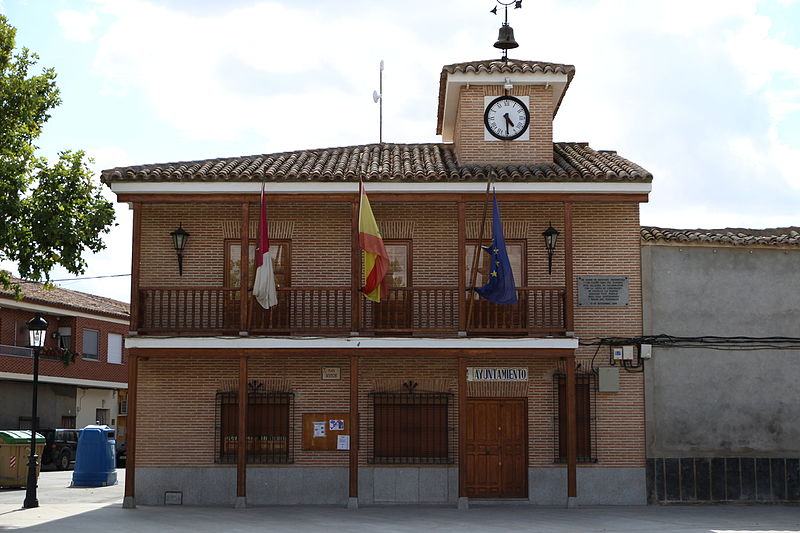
(434, 396)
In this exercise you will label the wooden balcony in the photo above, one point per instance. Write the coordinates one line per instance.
(421, 311)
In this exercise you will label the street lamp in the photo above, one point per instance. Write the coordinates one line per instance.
(37, 332)
(179, 238)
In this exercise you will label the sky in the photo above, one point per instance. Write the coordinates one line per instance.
(705, 94)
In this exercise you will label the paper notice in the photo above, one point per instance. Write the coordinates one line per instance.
(343, 442)
(319, 429)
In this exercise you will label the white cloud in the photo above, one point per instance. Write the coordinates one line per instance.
(75, 25)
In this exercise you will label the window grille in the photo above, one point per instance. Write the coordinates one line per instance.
(585, 404)
(269, 436)
(411, 427)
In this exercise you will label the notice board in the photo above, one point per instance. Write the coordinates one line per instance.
(326, 431)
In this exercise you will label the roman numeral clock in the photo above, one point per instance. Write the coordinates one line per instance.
(506, 118)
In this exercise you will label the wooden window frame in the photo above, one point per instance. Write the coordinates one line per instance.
(585, 418)
(287, 243)
(87, 356)
(430, 444)
(523, 276)
(260, 449)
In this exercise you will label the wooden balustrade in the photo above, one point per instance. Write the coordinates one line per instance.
(328, 310)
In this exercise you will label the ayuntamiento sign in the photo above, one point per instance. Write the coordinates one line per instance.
(481, 373)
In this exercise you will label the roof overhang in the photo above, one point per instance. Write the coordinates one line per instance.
(455, 81)
(10, 303)
(228, 187)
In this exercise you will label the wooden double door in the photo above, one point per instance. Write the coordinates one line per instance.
(496, 448)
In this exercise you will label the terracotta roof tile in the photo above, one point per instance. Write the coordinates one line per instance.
(80, 301)
(730, 236)
(404, 163)
(492, 66)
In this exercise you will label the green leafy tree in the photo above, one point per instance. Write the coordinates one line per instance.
(49, 212)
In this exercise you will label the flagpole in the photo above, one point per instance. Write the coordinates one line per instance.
(474, 272)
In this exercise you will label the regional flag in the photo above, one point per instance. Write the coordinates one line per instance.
(500, 288)
(264, 288)
(376, 260)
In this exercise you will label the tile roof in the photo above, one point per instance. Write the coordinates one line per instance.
(492, 66)
(80, 301)
(403, 163)
(732, 236)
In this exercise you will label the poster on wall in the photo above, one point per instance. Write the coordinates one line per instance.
(319, 429)
(336, 425)
(343, 442)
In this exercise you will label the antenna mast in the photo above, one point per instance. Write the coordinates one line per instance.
(378, 98)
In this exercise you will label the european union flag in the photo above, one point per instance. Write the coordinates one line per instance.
(500, 288)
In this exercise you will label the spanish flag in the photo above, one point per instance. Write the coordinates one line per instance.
(376, 260)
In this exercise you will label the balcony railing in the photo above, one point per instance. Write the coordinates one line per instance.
(329, 310)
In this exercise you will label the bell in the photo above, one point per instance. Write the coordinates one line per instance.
(505, 39)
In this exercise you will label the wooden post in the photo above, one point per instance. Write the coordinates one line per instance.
(244, 269)
(352, 502)
(462, 269)
(135, 254)
(355, 275)
(462, 433)
(129, 501)
(572, 435)
(241, 437)
(568, 273)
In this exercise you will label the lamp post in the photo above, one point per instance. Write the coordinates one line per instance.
(179, 238)
(550, 236)
(37, 331)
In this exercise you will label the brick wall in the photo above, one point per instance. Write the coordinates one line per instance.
(468, 136)
(14, 333)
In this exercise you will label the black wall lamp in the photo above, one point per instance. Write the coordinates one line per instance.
(179, 238)
(550, 237)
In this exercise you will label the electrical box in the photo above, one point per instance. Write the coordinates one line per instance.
(646, 351)
(616, 353)
(608, 379)
(627, 353)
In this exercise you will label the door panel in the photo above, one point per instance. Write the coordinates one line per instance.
(496, 448)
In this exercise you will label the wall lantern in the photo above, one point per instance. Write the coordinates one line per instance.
(179, 238)
(550, 237)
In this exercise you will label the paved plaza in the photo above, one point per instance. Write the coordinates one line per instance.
(99, 510)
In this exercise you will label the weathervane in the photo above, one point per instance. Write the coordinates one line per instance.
(505, 39)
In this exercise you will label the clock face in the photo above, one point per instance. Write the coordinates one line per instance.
(506, 117)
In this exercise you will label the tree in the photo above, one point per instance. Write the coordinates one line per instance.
(49, 213)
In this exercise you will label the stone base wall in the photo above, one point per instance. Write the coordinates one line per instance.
(596, 486)
(723, 479)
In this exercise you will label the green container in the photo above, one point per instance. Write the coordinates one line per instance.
(14, 449)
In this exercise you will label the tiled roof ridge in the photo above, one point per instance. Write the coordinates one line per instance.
(399, 162)
(36, 292)
(787, 236)
(511, 65)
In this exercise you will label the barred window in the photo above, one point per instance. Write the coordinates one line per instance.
(268, 428)
(585, 420)
(411, 427)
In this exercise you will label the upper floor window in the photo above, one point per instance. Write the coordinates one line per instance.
(91, 344)
(280, 251)
(115, 348)
(516, 256)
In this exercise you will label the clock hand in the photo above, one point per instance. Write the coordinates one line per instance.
(508, 122)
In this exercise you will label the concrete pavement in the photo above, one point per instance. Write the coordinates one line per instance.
(99, 510)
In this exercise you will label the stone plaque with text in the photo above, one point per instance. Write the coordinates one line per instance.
(603, 291)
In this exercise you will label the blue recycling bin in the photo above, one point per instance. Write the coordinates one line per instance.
(95, 464)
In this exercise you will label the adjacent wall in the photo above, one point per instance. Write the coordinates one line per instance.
(722, 425)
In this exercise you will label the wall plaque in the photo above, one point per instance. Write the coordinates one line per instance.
(331, 373)
(482, 373)
(603, 291)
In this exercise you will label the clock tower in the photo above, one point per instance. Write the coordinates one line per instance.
(501, 111)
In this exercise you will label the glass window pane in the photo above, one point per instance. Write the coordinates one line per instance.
(398, 265)
(515, 257)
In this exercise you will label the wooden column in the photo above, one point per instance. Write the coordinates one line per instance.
(241, 436)
(355, 275)
(462, 269)
(135, 258)
(462, 427)
(569, 282)
(244, 268)
(572, 434)
(129, 501)
(354, 430)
